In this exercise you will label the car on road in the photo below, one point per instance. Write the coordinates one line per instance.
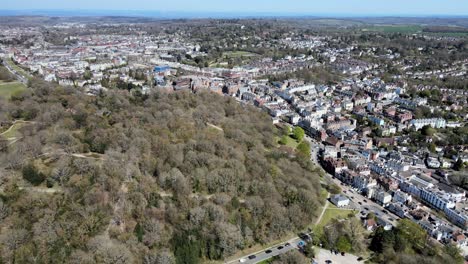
(385, 212)
(252, 257)
(342, 253)
(366, 208)
(359, 203)
(328, 261)
(280, 247)
(287, 244)
(268, 251)
(305, 237)
(242, 260)
(365, 200)
(391, 219)
(360, 258)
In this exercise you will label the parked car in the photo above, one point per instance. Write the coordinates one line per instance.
(252, 257)
(280, 247)
(268, 251)
(287, 244)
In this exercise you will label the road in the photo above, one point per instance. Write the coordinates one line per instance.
(358, 202)
(365, 205)
(275, 251)
(18, 76)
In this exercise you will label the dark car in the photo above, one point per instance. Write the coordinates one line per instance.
(365, 200)
(287, 244)
(360, 258)
(366, 208)
(385, 212)
(268, 251)
(280, 247)
(342, 253)
(359, 203)
(252, 256)
(328, 261)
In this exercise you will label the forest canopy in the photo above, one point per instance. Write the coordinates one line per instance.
(159, 178)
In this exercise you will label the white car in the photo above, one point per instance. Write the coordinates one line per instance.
(242, 260)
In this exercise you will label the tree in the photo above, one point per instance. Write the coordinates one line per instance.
(343, 244)
(454, 252)
(139, 232)
(304, 149)
(334, 188)
(428, 130)
(309, 250)
(298, 134)
(283, 140)
(382, 239)
(432, 147)
(409, 233)
(32, 175)
(459, 165)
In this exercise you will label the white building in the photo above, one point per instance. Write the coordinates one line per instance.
(433, 122)
(340, 200)
(382, 197)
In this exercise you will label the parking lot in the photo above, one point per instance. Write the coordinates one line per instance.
(324, 255)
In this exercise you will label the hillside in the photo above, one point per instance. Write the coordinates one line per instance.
(130, 178)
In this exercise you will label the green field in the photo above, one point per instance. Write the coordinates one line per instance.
(18, 69)
(331, 213)
(291, 142)
(12, 132)
(394, 29)
(237, 54)
(9, 89)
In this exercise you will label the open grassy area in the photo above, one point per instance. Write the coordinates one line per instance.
(12, 132)
(18, 69)
(290, 142)
(11, 88)
(239, 53)
(331, 213)
(394, 28)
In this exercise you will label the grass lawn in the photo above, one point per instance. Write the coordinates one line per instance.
(239, 53)
(395, 28)
(291, 142)
(331, 212)
(18, 69)
(13, 131)
(9, 89)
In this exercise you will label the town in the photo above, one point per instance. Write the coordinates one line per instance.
(387, 125)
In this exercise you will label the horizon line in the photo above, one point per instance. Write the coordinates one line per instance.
(191, 14)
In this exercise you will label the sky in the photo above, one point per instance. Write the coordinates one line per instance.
(302, 7)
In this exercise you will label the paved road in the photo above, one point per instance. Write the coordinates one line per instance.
(366, 205)
(275, 251)
(18, 76)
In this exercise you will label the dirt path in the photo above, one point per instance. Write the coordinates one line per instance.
(215, 127)
(327, 203)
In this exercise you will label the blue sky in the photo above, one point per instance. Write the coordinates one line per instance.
(306, 7)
